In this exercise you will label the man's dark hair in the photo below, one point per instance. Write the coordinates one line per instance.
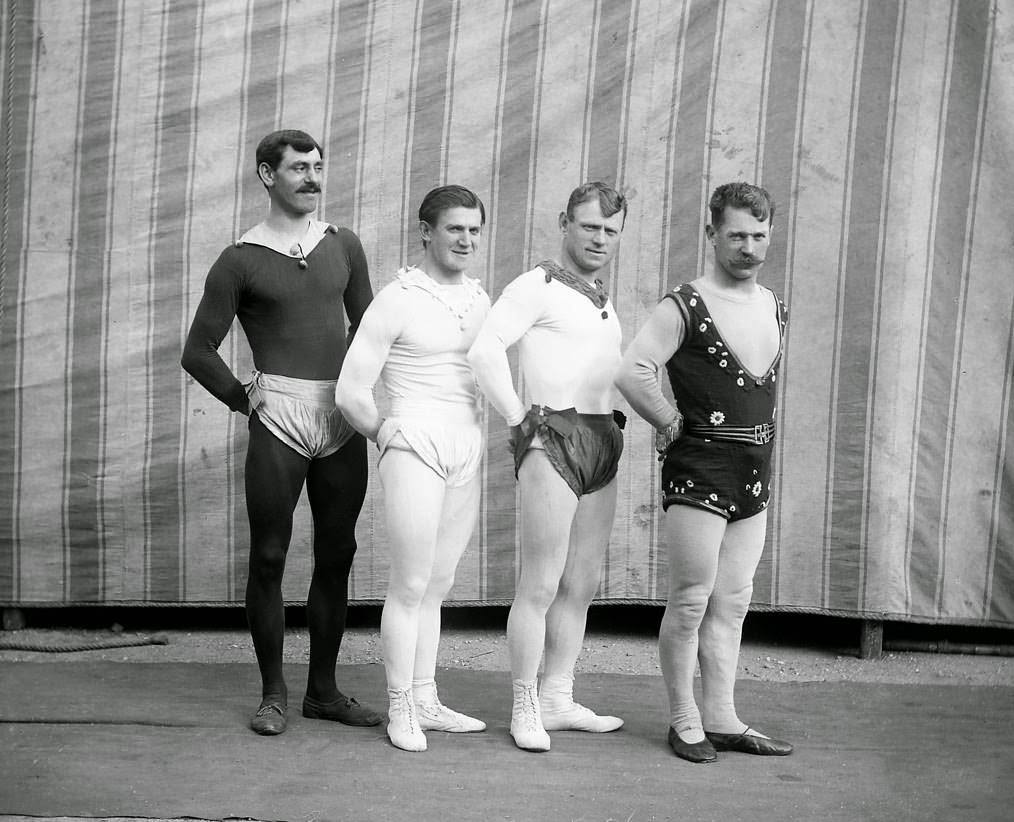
(443, 198)
(272, 147)
(610, 200)
(752, 198)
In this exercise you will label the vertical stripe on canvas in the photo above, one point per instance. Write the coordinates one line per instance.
(18, 73)
(260, 105)
(430, 103)
(856, 316)
(945, 315)
(344, 135)
(190, 209)
(779, 134)
(690, 139)
(491, 518)
(510, 195)
(998, 604)
(610, 61)
(978, 57)
(85, 299)
(176, 127)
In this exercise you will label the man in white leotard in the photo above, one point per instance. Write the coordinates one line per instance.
(414, 337)
(566, 449)
(720, 339)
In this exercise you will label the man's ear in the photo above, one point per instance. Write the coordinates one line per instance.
(709, 232)
(425, 231)
(266, 173)
(563, 221)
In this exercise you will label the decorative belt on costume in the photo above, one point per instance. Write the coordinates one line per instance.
(752, 434)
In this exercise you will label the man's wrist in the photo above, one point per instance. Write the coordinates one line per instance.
(668, 434)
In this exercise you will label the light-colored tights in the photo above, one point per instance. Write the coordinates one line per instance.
(563, 541)
(428, 528)
(711, 568)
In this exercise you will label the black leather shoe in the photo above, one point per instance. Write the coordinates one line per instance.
(344, 709)
(748, 743)
(702, 751)
(270, 719)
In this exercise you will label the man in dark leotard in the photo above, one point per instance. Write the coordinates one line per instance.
(720, 339)
(286, 280)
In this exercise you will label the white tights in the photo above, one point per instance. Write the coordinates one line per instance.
(711, 568)
(428, 528)
(563, 541)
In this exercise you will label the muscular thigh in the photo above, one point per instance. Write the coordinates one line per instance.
(274, 475)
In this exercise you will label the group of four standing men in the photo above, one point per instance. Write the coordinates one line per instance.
(434, 341)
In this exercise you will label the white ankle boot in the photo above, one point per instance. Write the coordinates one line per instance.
(561, 713)
(403, 726)
(526, 722)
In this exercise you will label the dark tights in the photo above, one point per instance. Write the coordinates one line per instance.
(336, 488)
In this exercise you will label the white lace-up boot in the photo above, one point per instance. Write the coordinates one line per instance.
(526, 723)
(433, 715)
(403, 725)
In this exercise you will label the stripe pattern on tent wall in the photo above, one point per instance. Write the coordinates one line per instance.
(882, 130)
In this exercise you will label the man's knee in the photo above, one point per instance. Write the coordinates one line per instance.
(267, 561)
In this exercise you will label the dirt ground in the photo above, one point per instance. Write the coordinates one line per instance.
(620, 639)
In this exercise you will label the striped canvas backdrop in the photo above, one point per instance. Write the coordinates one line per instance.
(882, 128)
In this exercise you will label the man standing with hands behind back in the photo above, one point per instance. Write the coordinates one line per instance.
(566, 446)
(287, 280)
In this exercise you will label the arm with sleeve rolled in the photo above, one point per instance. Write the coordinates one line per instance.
(638, 379)
(363, 364)
(212, 321)
(508, 320)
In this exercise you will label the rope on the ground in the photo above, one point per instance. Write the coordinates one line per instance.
(14, 643)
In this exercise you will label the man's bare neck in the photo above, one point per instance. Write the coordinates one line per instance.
(287, 226)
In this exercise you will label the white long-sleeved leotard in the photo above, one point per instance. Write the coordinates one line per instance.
(414, 337)
(569, 349)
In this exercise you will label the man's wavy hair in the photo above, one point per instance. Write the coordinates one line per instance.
(752, 198)
(610, 200)
(271, 148)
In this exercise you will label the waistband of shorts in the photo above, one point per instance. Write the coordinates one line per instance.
(539, 415)
(449, 414)
(312, 392)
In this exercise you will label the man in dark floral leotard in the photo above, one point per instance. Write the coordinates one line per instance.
(720, 339)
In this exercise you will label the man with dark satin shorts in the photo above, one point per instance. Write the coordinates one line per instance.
(287, 280)
(567, 445)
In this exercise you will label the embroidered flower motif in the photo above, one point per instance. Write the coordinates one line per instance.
(740, 382)
(756, 489)
(723, 363)
(732, 509)
(712, 349)
(703, 327)
(755, 472)
(716, 418)
(713, 497)
(690, 483)
(693, 301)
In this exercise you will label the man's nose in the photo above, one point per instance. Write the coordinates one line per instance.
(747, 246)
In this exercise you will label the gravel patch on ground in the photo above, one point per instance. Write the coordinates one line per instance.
(776, 648)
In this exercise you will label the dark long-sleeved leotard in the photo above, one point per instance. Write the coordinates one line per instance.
(292, 315)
